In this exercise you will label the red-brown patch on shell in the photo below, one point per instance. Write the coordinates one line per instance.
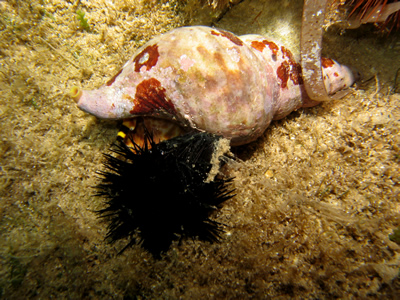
(336, 74)
(327, 62)
(111, 81)
(148, 57)
(295, 74)
(283, 73)
(289, 69)
(150, 96)
(230, 36)
(258, 45)
(272, 46)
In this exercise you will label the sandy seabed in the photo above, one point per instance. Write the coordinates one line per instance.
(317, 194)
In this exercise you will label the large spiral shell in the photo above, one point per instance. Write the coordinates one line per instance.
(210, 80)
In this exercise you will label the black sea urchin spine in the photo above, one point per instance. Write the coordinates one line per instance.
(157, 193)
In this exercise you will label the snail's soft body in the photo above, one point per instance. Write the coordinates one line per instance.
(210, 80)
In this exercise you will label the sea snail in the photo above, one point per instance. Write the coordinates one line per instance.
(210, 80)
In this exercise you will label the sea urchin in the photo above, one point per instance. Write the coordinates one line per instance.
(157, 193)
